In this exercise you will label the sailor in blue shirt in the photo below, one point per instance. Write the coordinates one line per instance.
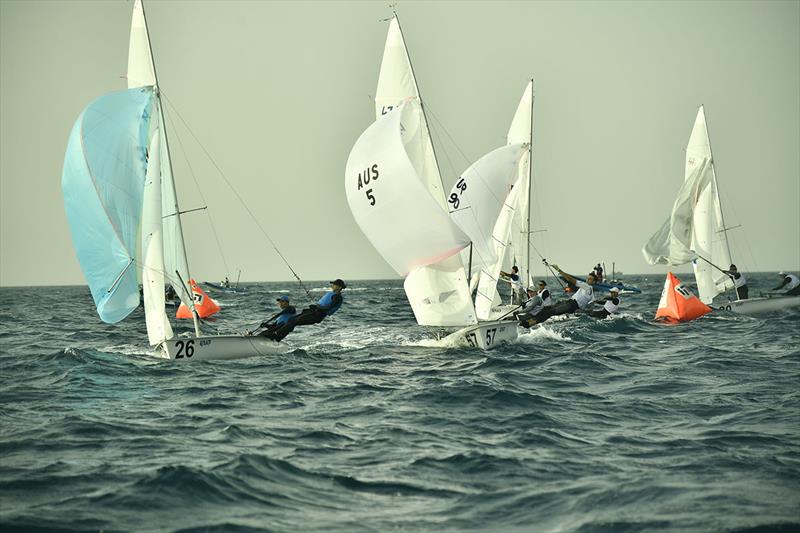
(314, 314)
(282, 317)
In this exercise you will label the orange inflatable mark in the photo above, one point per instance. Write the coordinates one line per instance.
(678, 303)
(204, 304)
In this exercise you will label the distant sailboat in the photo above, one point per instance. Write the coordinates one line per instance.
(696, 231)
(117, 178)
(395, 193)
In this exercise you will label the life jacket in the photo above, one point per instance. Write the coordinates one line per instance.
(516, 282)
(203, 303)
(584, 294)
(611, 305)
(544, 294)
(327, 302)
(285, 315)
(795, 281)
(678, 303)
(739, 281)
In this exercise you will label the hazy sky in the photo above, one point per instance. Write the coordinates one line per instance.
(278, 92)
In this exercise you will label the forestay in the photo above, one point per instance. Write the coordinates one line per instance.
(102, 181)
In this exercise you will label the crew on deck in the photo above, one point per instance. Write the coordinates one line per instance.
(739, 282)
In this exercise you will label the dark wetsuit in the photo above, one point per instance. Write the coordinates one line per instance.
(314, 314)
(278, 320)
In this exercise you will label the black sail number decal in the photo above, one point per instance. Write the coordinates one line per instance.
(365, 177)
(455, 199)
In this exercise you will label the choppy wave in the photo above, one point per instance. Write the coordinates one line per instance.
(373, 423)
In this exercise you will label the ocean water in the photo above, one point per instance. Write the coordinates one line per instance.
(370, 424)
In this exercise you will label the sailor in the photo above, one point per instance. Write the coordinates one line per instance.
(314, 314)
(226, 283)
(791, 283)
(579, 300)
(739, 282)
(517, 293)
(610, 305)
(537, 300)
(286, 312)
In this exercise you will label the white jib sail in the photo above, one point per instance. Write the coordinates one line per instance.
(396, 84)
(389, 202)
(672, 243)
(158, 327)
(709, 239)
(478, 196)
(521, 131)
(487, 297)
(439, 294)
(141, 73)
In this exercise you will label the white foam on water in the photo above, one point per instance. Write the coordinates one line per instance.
(541, 334)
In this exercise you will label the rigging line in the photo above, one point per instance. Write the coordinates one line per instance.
(439, 122)
(241, 200)
(197, 184)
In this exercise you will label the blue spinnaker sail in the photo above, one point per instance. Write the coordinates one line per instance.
(103, 186)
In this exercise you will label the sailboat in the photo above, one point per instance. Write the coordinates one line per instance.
(118, 181)
(395, 192)
(696, 232)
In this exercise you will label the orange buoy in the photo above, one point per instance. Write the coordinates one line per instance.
(204, 304)
(678, 303)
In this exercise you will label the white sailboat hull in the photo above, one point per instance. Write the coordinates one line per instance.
(760, 306)
(487, 335)
(219, 347)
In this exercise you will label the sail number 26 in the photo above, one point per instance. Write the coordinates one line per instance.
(364, 178)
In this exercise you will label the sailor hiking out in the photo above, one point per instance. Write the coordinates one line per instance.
(791, 283)
(582, 297)
(287, 311)
(610, 305)
(314, 314)
(537, 300)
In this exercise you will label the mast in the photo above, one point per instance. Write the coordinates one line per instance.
(529, 279)
(172, 174)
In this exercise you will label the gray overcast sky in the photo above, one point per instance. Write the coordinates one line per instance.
(278, 92)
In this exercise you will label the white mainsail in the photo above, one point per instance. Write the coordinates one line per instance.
(709, 239)
(158, 326)
(397, 84)
(141, 72)
(487, 296)
(521, 131)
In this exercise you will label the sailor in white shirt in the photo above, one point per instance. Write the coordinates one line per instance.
(739, 282)
(580, 300)
(791, 283)
(610, 305)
